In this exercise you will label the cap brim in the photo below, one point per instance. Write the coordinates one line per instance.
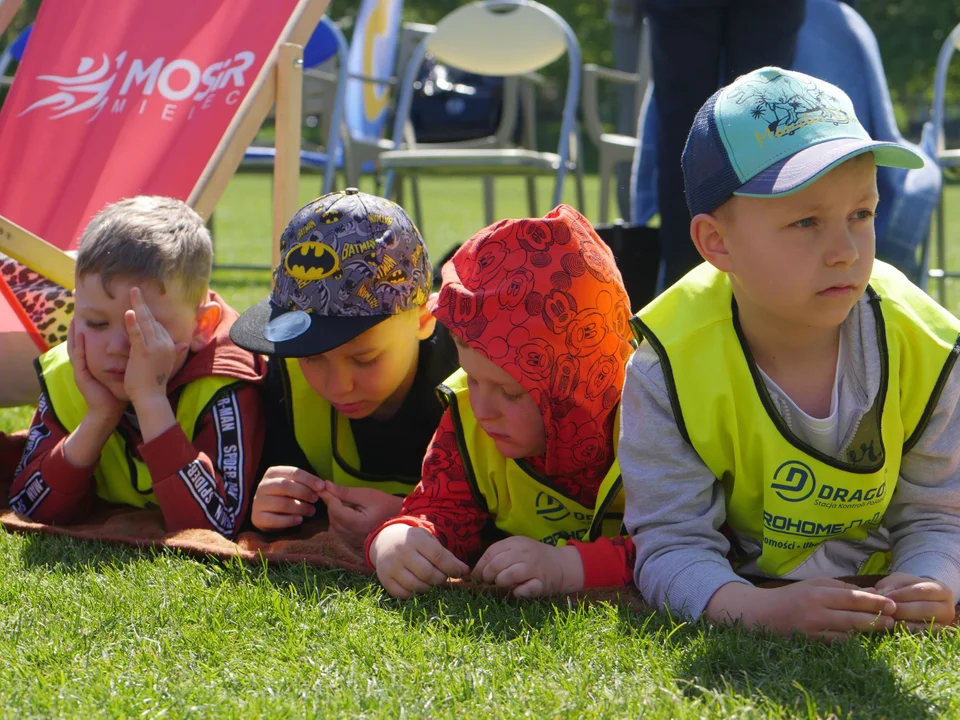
(799, 170)
(324, 334)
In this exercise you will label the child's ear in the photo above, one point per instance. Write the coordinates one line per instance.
(209, 315)
(426, 323)
(707, 233)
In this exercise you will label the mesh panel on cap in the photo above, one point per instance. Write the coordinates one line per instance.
(708, 176)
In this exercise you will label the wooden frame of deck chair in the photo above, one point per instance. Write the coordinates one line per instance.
(64, 98)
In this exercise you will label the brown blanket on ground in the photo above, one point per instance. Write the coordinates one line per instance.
(312, 544)
(144, 528)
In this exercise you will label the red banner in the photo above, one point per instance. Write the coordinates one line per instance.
(115, 99)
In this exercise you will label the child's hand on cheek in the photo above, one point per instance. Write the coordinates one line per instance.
(530, 568)
(152, 353)
(101, 403)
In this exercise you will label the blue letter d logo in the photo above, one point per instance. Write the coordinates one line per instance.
(793, 481)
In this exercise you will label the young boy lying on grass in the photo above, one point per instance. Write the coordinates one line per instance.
(520, 477)
(148, 403)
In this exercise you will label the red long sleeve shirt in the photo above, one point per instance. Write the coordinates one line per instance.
(206, 483)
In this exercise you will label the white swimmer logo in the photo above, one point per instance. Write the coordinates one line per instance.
(174, 81)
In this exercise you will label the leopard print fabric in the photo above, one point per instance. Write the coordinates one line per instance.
(49, 306)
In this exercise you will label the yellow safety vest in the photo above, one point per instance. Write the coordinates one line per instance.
(519, 500)
(121, 478)
(786, 495)
(325, 437)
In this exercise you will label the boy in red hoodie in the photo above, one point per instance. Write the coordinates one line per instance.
(148, 403)
(521, 472)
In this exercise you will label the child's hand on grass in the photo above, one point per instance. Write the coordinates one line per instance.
(102, 405)
(153, 355)
(356, 512)
(823, 608)
(409, 560)
(284, 497)
(529, 568)
(922, 603)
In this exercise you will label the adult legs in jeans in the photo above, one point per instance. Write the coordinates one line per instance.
(690, 39)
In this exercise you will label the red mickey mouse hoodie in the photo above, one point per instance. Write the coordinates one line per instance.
(544, 300)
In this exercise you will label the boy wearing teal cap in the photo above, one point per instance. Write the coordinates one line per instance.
(792, 390)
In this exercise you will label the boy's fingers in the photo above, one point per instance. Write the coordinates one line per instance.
(285, 505)
(394, 587)
(515, 575)
(80, 355)
(295, 474)
(134, 331)
(489, 554)
(442, 559)
(144, 316)
(274, 521)
(921, 612)
(498, 563)
(530, 589)
(425, 571)
(859, 601)
(917, 592)
(410, 582)
(290, 488)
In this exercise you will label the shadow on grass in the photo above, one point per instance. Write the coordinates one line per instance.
(796, 674)
(469, 609)
(67, 554)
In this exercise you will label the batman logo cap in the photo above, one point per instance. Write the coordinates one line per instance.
(348, 261)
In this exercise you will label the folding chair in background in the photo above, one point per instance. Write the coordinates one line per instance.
(113, 100)
(507, 38)
(934, 141)
(323, 93)
(835, 44)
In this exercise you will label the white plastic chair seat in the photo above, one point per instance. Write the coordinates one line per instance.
(621, 141)
(471, 162)
(949, 158)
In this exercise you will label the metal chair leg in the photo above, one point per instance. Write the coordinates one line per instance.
(488, 210)
(417, 207)
(941, 253)
(605, 170)
(532, 196)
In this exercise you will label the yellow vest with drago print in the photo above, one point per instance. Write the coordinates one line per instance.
(781, 492)
(325, 437)
(520, 501)
(121, 478)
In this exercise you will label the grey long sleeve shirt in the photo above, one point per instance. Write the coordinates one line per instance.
(675, 506)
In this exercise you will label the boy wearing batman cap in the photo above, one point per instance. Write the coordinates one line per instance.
(354, 356)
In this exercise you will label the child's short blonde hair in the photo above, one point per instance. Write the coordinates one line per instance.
(149, 238)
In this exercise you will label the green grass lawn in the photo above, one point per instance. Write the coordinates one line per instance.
(88, 628)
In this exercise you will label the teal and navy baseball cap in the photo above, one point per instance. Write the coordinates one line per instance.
(772, 132)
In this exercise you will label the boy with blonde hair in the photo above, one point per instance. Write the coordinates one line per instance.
(148, 403)
(792, 411)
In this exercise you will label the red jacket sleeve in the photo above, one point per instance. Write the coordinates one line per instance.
(607, 562)
(11, 450)
(208, 483)
(46, 487)
(443, 503)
